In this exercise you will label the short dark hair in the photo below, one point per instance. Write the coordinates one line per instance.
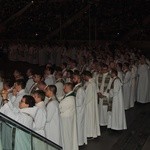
(39, 72)
(114, 71)
(65, 64)
(29, 100)
(87, 73)
(70, 71)
(21, 82)
(52, 88)
(40, 93)
(51, 69)
(70, 85)
(76, 72)
(8, 83)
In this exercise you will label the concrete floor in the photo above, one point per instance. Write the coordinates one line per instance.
(136, 137)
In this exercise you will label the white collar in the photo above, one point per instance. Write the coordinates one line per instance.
(40, 104)
(69, 93)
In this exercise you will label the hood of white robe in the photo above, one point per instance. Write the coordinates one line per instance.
(30, 111)
(40, 104)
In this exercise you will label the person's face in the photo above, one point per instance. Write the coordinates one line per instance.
(16, 73)
(48, 92)
(112, 75)
(40, 87)
(16, 86)
(68, 75)
(22, 104)
(5, 87)
(36, 78)
(105, 69)
(36, 97)
(75, 79)
(65, 89)
(112, 65)
(28, 72)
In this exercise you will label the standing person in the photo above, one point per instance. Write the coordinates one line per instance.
(80, 109)
(25, 115)
(40, 118)
(118, 120)
(17, 74)
(30, 80)
(59, 84)
(143, 82)
(127, 86)
(37, 78)
(49, 77)
(103, 101)
(18, 92)
(133, 83)
(91, 104)
(52, 127)
(68, 119)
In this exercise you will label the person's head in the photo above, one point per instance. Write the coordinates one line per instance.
(48, 65)
(119, 66)
(69, 73)
(126, 67)
(17, 74)
(87, 75)
(48, 71)
(64, 65)
(112, 65)
(39, 96)
(73, 64)
(76, 78)
(37, 77)
(26, 101)
(68, 87)
(42, 85)
(19, 84)
(51, 91)
(29, 72)
(142, 60)
(105, 68)
(114, 73)
(7, 84)
(58, 75)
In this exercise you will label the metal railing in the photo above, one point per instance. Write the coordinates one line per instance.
(11, 131)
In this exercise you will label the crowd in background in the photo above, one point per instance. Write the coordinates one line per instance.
(77, 90)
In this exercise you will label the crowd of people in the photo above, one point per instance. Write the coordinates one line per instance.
(77, 91)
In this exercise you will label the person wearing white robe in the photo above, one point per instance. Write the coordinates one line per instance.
(30, 80)
(40, 118)
(127, 86)
(18, 92)
(52, 127)
(68, 119)
(59, 84)
(24, 115)
(103, 107)
(133, 84)
(118, 119)
(143, 82)
(37, 78)
(80, 109)
(91, 104)
(119, 69)
(49, 77)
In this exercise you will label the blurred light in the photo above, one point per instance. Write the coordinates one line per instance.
(32, 2)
